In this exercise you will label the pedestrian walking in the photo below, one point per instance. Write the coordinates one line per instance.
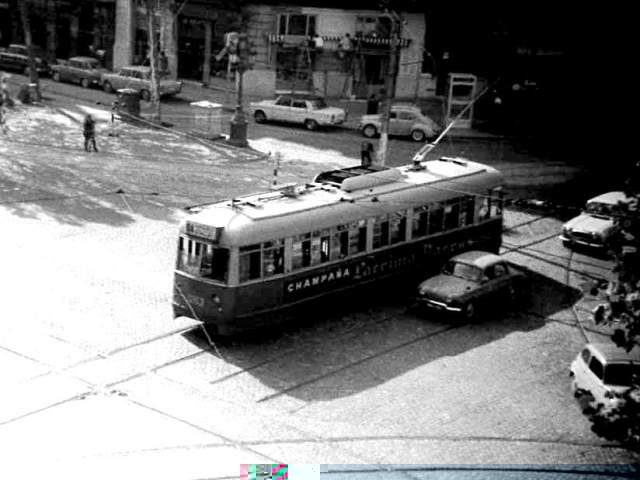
(89, 133)
(366, 154)
(372, 105)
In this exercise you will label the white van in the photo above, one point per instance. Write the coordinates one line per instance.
(603, 370)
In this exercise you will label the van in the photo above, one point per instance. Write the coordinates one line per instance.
(602, 372)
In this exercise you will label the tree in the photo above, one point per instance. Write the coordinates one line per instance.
(153, 58)
(26, 25)
(622, 311)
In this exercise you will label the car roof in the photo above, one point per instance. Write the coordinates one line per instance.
(611, 198)
(478, 258)
(139, 68)
(84, 59)
(610, 352)
(406, 106)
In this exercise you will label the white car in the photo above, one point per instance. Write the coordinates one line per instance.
(404, 120)
(311, 113)
(603, 371)
(138, 78)
(595, 226)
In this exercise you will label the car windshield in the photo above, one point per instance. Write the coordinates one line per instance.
(463, 270)
(598, 208)
(318, 103)
(621, 374)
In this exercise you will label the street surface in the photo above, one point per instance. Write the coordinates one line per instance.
(97, 375)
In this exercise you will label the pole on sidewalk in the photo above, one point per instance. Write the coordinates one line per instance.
(238, 133)
(390, 86)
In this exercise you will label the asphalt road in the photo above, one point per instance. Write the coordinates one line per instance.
(99, 375)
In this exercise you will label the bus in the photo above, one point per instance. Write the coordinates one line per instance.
(244, 262)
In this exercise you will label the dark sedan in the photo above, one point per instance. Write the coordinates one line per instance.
(470, 281)
(85, 71)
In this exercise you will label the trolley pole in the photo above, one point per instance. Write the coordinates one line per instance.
(390, 87)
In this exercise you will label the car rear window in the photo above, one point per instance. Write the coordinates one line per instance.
(621, 374)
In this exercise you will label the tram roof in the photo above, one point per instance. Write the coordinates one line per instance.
(340, 189)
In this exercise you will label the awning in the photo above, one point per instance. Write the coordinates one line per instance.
(364, 41)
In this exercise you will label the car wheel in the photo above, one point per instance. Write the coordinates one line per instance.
(145, 95)
(56, 77)
(259, 116)
(369, 131)
(469, 311)
(107, 87)
(311, 124)
(85, 83)
(418, 136)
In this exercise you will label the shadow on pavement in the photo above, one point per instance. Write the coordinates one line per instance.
(348, 348)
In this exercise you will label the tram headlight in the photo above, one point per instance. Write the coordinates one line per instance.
(216, 299)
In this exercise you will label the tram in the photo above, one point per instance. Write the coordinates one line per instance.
(242, 263)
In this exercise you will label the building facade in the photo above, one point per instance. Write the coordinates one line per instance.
(333, 52)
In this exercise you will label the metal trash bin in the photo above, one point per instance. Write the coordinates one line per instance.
(129, 102)
(208, 119)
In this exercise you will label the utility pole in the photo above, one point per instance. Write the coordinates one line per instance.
(390, 87)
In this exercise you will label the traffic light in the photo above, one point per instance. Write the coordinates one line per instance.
(246, 51)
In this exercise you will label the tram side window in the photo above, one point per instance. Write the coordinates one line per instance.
(250, 262)
(452, 214)
(468, 210)
(301, 251)
(273, 257)
(325, 246)
(215, 262)
(398, 227)
(420, 221)
(358, 237)
(436, 217)
(340, 242)
(381, 231)
(496, 201)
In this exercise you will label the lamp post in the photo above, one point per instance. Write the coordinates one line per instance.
(238, 132)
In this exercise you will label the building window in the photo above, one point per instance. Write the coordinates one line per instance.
(295, 24)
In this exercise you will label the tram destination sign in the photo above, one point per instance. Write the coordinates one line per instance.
(201, 230)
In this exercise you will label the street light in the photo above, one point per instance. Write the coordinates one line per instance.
(238, 49)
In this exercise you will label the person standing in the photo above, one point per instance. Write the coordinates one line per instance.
(89, 133)
(372, 105)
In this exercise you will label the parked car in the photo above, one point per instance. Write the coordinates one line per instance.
(595, 226)
(472, 280)
(16, 58)
(404, 120)
(85, 71)
(603, 371)
(138, 78)
(311, 112)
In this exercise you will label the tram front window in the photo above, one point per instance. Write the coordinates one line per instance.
(203, 259)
